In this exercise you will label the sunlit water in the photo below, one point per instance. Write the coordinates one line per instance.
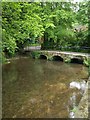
(41, 88)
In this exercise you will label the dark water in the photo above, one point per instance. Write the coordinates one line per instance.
(41, 88)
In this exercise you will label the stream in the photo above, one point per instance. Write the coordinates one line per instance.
(41, 89)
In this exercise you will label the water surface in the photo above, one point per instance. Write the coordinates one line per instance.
(41, 88)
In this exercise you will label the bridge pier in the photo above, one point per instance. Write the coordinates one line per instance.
(63, 56)
(66, 58)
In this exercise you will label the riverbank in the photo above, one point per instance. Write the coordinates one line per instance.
(82, 110)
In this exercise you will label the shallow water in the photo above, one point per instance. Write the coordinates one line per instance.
(41, 88)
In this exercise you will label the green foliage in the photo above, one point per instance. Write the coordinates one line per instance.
(9, 43)
(87, 61)
(82, 14)
(89, 67)
(82, 17)
(74, 109)
(35, 54)
(19, 21)
(52, 21)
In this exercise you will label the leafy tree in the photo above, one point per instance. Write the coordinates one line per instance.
(82, 17)
(51, 22)
(19, 21)
(58, 25)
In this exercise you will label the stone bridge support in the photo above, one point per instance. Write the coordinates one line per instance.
(63, 56)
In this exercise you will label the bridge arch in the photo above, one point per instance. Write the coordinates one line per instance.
(42, 56)
(57, 58)
(76, 60)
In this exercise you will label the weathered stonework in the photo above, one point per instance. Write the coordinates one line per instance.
(66, 56)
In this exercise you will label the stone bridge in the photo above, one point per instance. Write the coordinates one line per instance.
(61, 56)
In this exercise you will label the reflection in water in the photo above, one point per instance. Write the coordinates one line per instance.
(79, 85)
(73, 104)
(41, 89)
(73, 99)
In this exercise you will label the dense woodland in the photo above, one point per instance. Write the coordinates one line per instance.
(53, 25)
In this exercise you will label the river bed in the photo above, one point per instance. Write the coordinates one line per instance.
(41, 89)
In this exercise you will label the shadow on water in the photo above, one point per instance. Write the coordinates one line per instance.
(41, 89)
(42, 57)
(76, 60)
(57, 58)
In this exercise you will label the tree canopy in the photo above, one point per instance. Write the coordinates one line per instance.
(55, 25)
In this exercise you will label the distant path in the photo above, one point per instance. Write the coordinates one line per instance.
(34, 48)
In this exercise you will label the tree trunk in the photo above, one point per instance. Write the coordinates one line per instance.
(45, 41)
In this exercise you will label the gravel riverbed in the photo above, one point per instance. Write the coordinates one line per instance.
(82, 110)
